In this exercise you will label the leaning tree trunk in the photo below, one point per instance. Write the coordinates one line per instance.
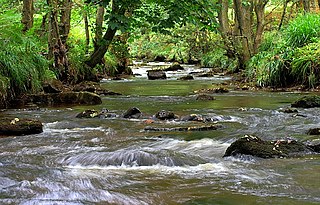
(103, 45)
(285, 5)
(27, 15)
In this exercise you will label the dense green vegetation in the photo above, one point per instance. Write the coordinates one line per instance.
(81, 40)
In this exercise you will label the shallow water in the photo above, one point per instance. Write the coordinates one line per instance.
(114, 161)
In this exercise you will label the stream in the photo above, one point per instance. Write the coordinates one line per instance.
(114, 161)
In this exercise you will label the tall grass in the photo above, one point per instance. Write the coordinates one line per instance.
(303, 30)
(22, 67)
(291, 56)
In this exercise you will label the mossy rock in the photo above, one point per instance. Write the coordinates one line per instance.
(307, 102)
(16, 126)
(252, 145)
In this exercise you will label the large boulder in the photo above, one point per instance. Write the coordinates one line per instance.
(64, 98)
(307, 102)
(156, 74)
(252, 145)
(16, 126)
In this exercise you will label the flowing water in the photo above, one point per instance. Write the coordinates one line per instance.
(114, 161)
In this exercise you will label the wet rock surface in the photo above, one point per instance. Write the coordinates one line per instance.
(165, 115)
(133, 112)
(156, 74)
(307, 102)
(16, 126)
(252, 145)
(183, 129)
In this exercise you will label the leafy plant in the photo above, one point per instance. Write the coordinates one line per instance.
(303, 30)
(306, 64)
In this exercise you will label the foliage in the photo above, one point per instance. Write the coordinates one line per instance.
(20, 58)
(290, 56)
(303, 30)
(306, 64)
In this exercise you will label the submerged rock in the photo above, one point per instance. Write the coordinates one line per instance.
(156, 74)
(16, 126)
(187, 77)
(183, 129)
(204, 97)
(307, 102)
(252, 145)
(132, 113)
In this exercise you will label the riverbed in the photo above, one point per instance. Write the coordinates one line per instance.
(115, 161)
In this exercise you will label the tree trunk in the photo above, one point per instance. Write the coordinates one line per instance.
(27, 15)
(224, 27)
(103, 45)
(285, 5)
(86, 26)
(99, 23)
(306, 6)
(65, 17)
(99, 52)
(56, 47)
(243, 14)
(260, 15)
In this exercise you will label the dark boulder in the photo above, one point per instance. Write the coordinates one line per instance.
(204, 97)
(16, 126)
(314, 131)
(251, 145)
(195, 117)
(315, 148)
(174, 67)
(156, 74)
(64, 98)
(165, 115)
(307, 102)
(132, 113)
(160, 58)
(93, 87)
(187, 77)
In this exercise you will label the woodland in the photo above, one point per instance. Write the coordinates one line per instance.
(272, 43)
